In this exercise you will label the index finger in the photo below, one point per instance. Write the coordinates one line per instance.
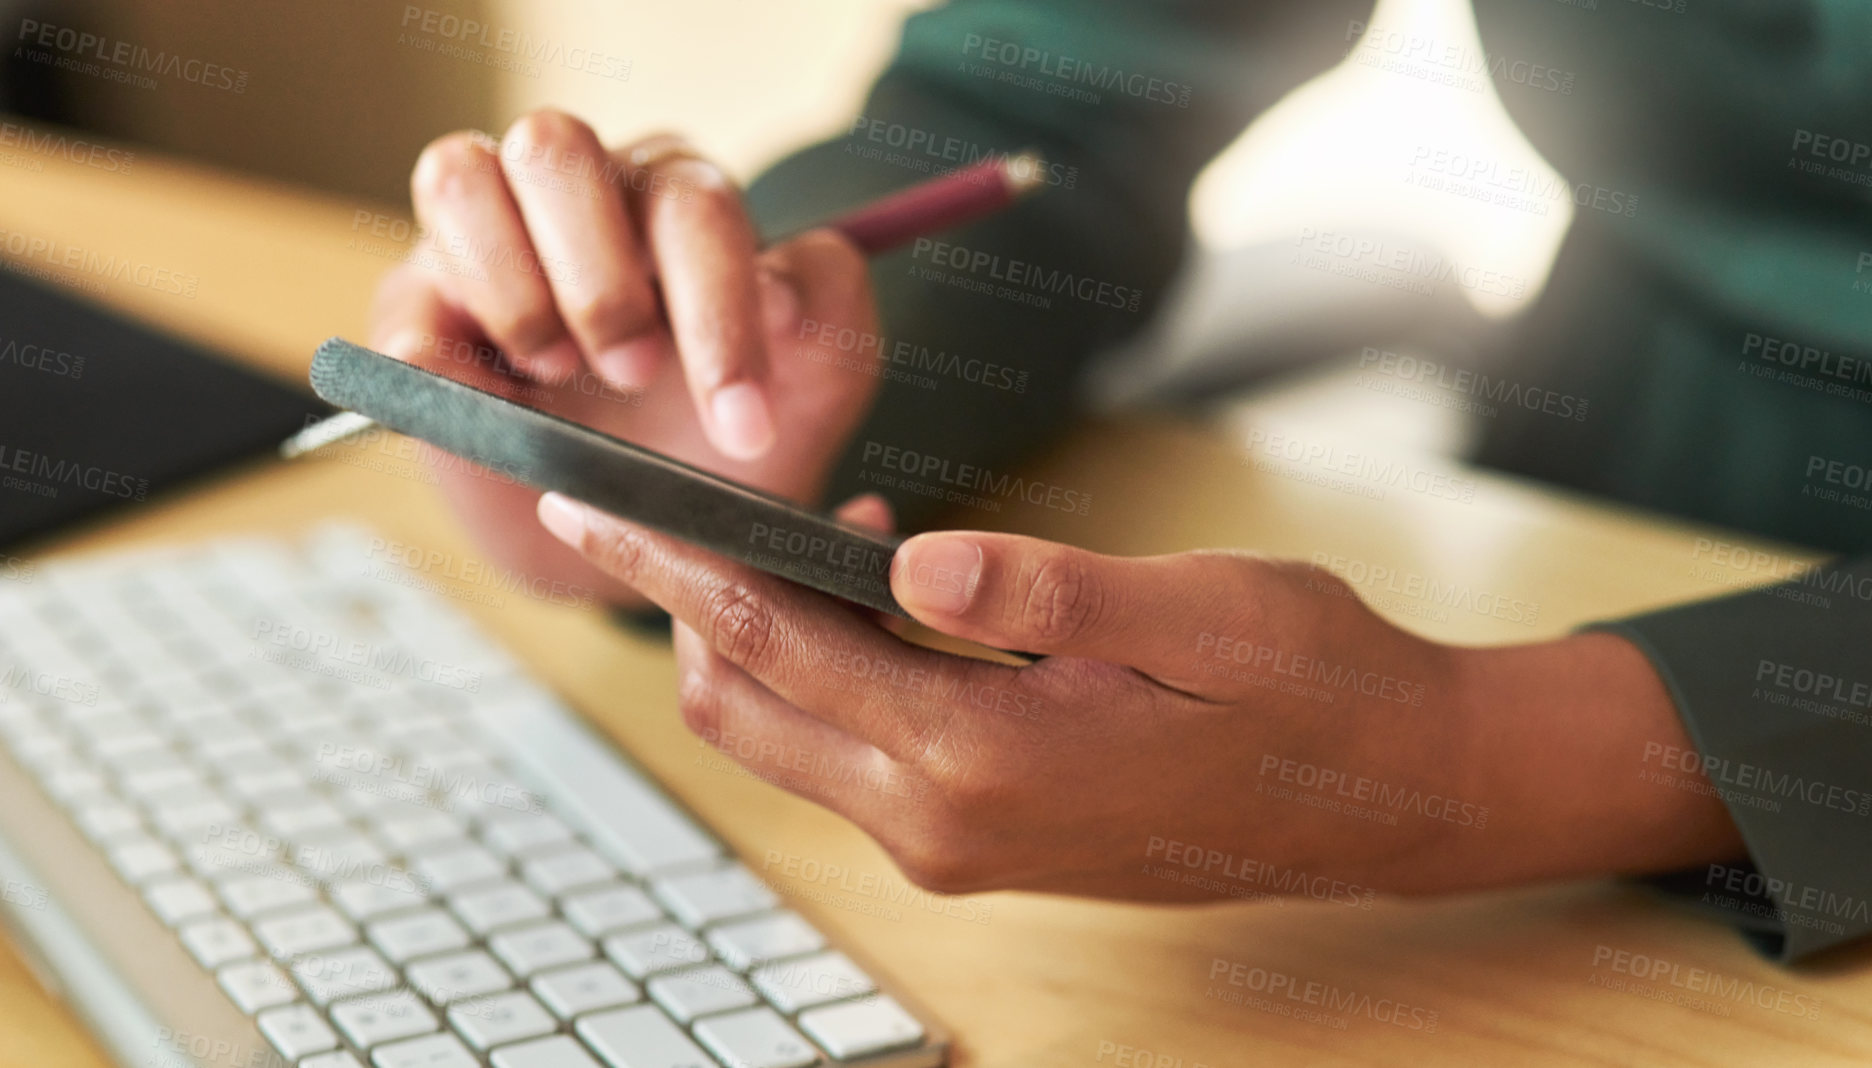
(704, 247)
(819, 656)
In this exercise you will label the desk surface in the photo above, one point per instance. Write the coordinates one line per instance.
(1511, 977)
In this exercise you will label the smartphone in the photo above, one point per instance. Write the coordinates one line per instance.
(629, 481)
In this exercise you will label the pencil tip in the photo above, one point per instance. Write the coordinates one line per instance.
(1025, 172)
(324, 432)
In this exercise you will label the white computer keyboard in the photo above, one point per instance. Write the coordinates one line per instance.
(387, 844)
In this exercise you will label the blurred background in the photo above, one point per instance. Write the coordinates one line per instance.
(341, 95)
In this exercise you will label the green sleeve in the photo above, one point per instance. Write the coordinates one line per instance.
(1720, 327)
(1126, 101)
(1775, 688)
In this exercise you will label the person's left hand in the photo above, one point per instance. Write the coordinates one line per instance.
(1204, 724)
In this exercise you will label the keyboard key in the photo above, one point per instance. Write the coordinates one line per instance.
(379, 1018)
(178, 899)
(21, 726)
(39, 747)
(757, 1038)
(687, 995)
(255, 984)
(296, 815)
(520, 833)
(340, 1059)
(457, 976)
(345, 973)
(152, 782)
(498, 905)
(626, 818)
(403, 831)
(230, 848)
(559, 1051)
(600, 911)
(341, 854)
(584, 987)
(187, 814)
(555, 873)
(308, 931)
(433, 1051)
(417, 934)
(258, 784)
(396, 717)
(364, 900)
(225, 741)
(746, 943)
(69, 785)
(497, 1019)
(655, 949)
(139, 857)
(355, 796)
(640, 1037)
(296, 1031)
(860, 1028)
(451, 869)
(249, 896)
(103, 820)
(214, 942)
(120, 738)
(800, 984)
(530, 949)
(712, 896)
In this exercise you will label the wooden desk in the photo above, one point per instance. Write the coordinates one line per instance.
(1511, 977)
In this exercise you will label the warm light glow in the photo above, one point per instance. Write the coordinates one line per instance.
(1343, 151)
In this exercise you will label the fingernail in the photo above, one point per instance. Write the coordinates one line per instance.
(553, 364)
(631, 364)
(937, 573)
(564, 517)
(867, 510)
(659, 147)
(780, 305)
(404, 345)
(743, 424)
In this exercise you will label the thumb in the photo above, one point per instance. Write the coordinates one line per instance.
(1013, 592)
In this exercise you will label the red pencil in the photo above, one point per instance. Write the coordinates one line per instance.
(961, 196)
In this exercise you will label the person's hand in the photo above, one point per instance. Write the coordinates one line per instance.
(623, 288)
(1206, 725)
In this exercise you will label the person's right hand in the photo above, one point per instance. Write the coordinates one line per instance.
(624, 289)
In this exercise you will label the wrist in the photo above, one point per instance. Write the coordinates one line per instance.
(1563, 728)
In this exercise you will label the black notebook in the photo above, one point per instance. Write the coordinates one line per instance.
(99, 412)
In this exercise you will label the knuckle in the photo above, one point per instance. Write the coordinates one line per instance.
(523, 323)
(740, 625)
(618, 553)
(832, 267)
(607, 312)
(546, 128)
(832, 253)
(1236, 585)
(701, 707)
(975, 800)
(933, 862)
(1057, 597)
(449, 168)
